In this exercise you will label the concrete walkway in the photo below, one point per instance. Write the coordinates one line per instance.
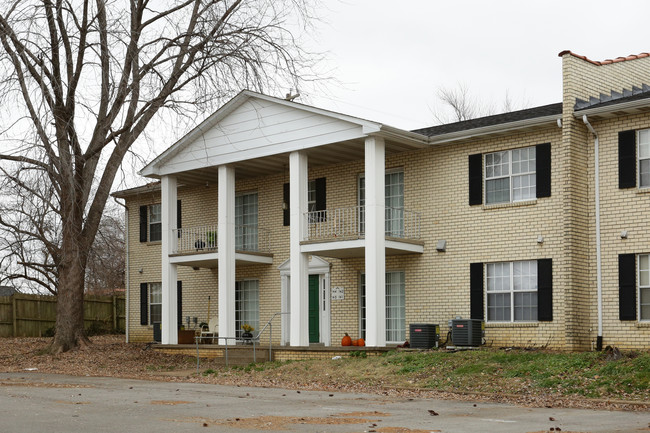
(33, 402)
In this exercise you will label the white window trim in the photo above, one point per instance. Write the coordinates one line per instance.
(512, 291)
(238, 330)
(241, 244)
(150, 222)
(639, 287)
(510, 176)
(639, 159)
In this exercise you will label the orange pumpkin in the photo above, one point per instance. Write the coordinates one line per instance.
(361, 342)
(346, 341)
(355, 342)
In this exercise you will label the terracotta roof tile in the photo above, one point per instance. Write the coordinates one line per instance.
(608, 61)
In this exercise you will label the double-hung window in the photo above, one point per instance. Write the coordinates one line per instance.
(394, 201)
(246, 235)
(644, 286)
(247, 305)
(155, 223)
(395, 307)
(155, 303)
(643, 139)
(510, 175)
(512, 291)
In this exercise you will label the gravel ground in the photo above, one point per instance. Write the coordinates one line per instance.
(110, 356)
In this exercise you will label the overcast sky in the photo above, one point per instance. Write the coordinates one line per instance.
(392, 56)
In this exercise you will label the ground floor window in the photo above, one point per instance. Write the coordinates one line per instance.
(512, 291)
(247, 305)
(155, 303)
(644, 286)
(395, 307)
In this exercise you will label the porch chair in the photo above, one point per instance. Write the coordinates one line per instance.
(211, 331)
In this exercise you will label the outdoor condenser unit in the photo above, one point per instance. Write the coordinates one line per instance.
(424, 335)
(467, 332)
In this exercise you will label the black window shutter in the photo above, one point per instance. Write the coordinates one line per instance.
(543, 171)
(321, 193)
(627, 287)
(144, 217)
(476, 290)
(179, 303)
(475, 179)
(627, 159)
(144, 304)
(286, 205)
(545, 290)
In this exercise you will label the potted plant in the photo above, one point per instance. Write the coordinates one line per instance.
(247, 335)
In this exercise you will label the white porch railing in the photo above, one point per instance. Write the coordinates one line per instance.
(204, 238)
(349, 223)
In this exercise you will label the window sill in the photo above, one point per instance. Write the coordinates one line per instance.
(644, 190)
(512, 325)
(644, 324)
(154, 243)
(507, 205)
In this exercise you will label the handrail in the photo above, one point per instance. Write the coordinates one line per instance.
(270, 326)
(198, 338)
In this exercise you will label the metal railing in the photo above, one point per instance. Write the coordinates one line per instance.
(269, 325)
(204, 238)
(349, 223)
(198, 339)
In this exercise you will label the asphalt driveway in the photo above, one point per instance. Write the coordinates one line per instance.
(33, 402)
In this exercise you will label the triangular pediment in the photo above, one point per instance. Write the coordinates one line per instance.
(317, 265)
(253, 126)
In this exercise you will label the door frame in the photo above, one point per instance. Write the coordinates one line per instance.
(320, 267)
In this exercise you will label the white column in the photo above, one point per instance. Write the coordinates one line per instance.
(299, 293)
(169, 278)
(226, 251)
(375, 226)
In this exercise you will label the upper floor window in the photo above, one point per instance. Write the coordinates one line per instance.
(155, 223)
(394, 201)
(246, 234)
(643, 138)
(510, 175)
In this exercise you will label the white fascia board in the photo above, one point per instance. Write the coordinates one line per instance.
(630, 105)
(492, 129)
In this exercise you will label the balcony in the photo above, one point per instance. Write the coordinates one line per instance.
(341, 232)
(197, 246)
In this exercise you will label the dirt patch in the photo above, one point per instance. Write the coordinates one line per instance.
(72, 402)
(404, 430)
(275, 422)
(42, 385)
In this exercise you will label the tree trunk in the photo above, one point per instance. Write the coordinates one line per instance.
(70, 303)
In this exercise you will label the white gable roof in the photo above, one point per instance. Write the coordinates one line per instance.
(252, 125)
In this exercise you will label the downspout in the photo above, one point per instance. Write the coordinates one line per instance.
(126, 267)
(599, 276)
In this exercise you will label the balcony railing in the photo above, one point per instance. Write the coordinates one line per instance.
(204, 238)
(349, 223)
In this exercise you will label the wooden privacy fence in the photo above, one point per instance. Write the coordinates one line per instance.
(34, 315)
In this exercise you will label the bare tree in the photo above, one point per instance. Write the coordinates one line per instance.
(458, 104)
(84, 78)
(106, 258)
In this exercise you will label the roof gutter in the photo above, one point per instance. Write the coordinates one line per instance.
(502, 127)
(639, 103)
(599, 275)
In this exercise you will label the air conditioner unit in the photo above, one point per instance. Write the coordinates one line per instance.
(467, 332)
(424, 335)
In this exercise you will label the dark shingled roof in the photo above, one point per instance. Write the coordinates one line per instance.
(497, 119)
(7, 290)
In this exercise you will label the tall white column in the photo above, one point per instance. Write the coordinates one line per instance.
(169, 274)
(226, 250)
(299, 293)
(375, 226)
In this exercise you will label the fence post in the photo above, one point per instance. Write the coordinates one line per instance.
(13, 314)
(114, 313)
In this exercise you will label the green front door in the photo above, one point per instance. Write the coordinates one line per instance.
(314, 311)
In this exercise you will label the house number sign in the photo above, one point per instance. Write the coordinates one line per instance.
(338, 293)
